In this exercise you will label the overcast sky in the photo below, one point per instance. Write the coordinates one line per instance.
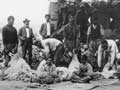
(21, 9)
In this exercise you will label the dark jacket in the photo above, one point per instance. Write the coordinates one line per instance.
(9, 35)
(43, 30)
(23, 34)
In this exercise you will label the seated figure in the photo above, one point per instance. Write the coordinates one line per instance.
(48, 73)
(83, 75)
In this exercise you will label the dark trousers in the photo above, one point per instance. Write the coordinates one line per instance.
(27, 49)
(58, 54)
(7, 49)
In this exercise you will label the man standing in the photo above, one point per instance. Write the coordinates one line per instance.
(10, 39)
(47, 29)
(26, 38)
(95, 33)
(71, 35)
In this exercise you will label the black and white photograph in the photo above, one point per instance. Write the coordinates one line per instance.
(60, 45)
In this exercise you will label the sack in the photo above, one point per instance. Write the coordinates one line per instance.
(74, 65)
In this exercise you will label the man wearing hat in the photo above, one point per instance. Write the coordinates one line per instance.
(26, 38)
(10, 39)
(47, 29)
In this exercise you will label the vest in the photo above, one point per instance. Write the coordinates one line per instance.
(95, 33)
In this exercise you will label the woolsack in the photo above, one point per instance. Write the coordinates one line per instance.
(74, 65)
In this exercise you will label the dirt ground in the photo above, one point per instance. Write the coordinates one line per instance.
(94, 85)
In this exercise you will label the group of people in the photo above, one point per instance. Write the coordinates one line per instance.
(54, 49)
(11, 40)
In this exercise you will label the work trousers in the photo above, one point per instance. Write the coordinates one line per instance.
(27, 49)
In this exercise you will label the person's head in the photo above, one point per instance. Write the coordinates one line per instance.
(38, 44)
(26, 22)
(11, 20)
(94, 24)
(47, 17)
(71, 19)
(104, 44)
(49, 62)
(83, 59)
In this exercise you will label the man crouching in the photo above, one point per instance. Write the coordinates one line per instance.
(107, 52)
(52, 48)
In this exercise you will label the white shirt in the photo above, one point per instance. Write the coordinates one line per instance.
(28, 33)
(113, 50)
(48, 29)
(50, 43)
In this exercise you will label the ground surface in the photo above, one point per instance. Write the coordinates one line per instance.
(98, 85)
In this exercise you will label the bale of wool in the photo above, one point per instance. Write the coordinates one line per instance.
(74, 65)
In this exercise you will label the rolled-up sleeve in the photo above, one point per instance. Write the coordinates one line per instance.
(99, 56)
(89, 30)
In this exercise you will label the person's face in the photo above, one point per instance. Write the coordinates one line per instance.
(11, 21)
(47, 18)
(26, 24)
(49, 62)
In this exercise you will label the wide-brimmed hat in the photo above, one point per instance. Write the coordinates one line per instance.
(26, 20)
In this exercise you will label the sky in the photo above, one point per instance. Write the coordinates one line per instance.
(34, 10)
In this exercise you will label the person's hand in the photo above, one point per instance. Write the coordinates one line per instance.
(99, 69)
(111, 65)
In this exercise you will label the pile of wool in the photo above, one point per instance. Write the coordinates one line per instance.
(63, 73)
(37, 56)
(19, 70)
(38, 72)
